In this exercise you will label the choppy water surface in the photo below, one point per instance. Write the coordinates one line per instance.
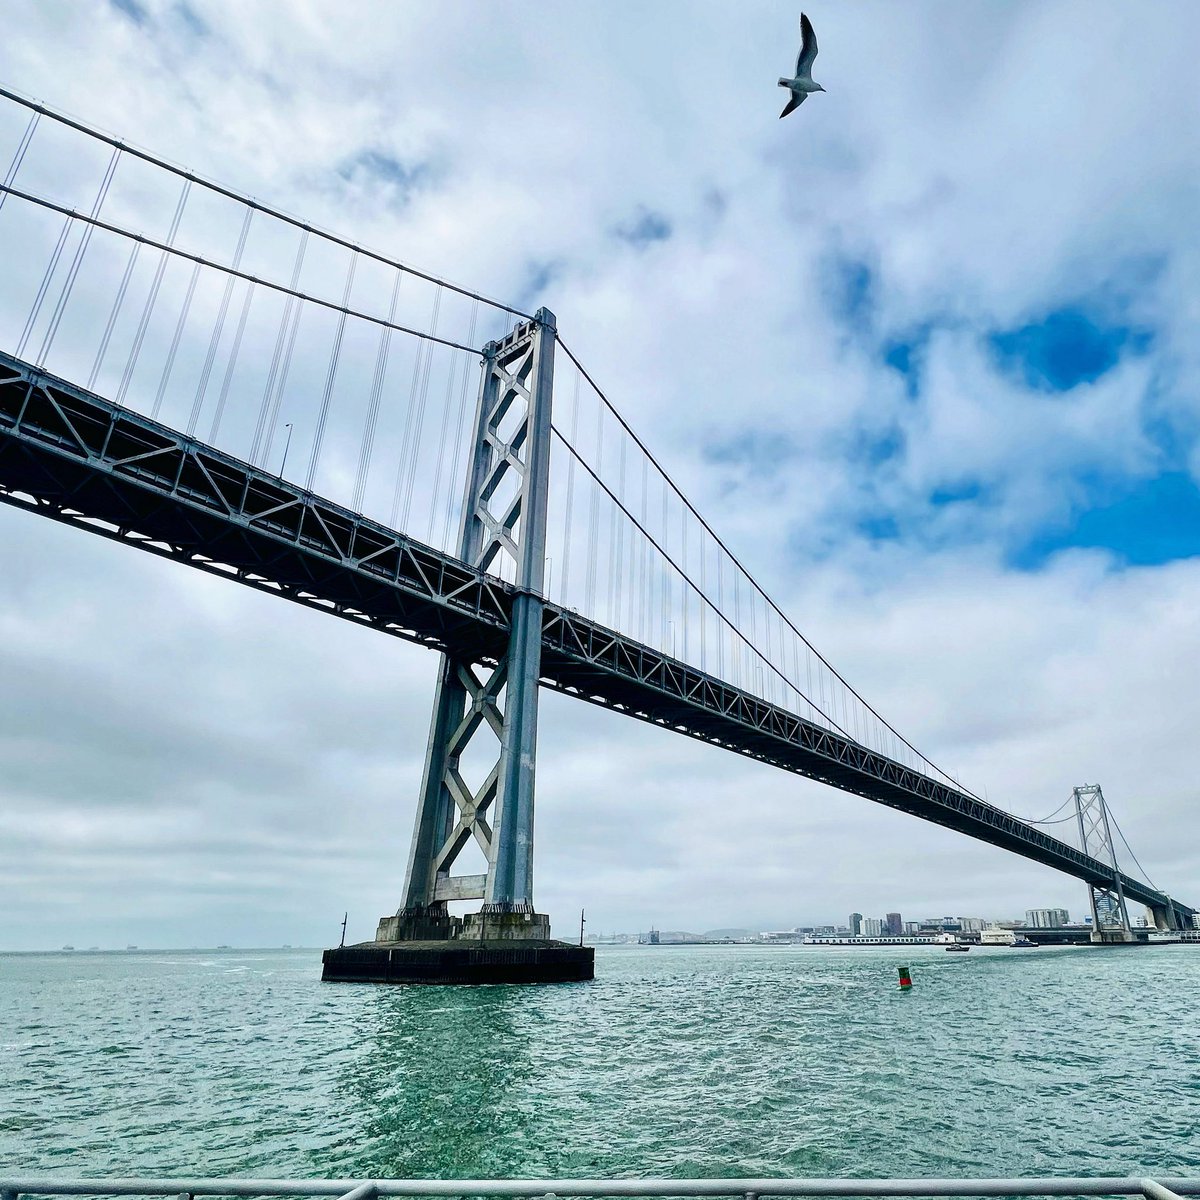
(675, 1061)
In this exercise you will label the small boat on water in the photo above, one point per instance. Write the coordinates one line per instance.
(1022, 943)
(957, 948)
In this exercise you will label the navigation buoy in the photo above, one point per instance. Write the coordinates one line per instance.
(905, 979)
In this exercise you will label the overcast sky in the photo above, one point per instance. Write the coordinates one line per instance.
(925, 353)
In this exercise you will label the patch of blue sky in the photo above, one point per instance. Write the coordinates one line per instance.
(196, 25)
(878, 527)
(1065, 348)
(874, 447)
(386, 168)
(645, 229)
(966, 491)
(851, 289)
(920, 524)
(906, 355)
(131, 9)
(1154, 523)
(538, 278)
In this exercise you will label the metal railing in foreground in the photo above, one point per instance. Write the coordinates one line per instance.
(551, 1189)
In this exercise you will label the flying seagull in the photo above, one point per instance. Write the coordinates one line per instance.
(803, 83)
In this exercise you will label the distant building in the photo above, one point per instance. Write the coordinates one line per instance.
(912, 926)
(971, 924)
(872, 927)
(1047, 918)
(1196, 920)
(856, 924)
(1108, 910)
(941, 925)
(893, 926)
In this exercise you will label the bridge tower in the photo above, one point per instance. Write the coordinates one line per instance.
(491, 706)
(1110, 917)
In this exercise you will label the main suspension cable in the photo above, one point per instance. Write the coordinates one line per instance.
(73, 215)
(750, 578)
(1128, 847)
(249, 201)
(704, 600)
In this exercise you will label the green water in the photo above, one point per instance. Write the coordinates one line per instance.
(675, 1061)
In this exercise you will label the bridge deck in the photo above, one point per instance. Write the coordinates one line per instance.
(77, 458)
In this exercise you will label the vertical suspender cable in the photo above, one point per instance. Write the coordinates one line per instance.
(114, 312)
(617, 592)
(152, 297)
(406, 468)
(164, 379)
(446, 460)
(36, 308)
(218, 327)
(418, 430)
(564, 589)
(227, 382)
(684, 595)
(377, 382)
(314, 458)
(458, 481)
(285, 370)
(644, 601)
(721, 606)
(77, 261)
(439, 468)
(593, 548)
(19, 157)
(665, 576)
(767, 633)
(268, 411)
(737, 624)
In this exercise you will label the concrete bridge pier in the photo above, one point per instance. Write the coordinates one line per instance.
(491, 708)
(1113, 937)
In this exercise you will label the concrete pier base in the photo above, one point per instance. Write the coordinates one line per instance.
(509, 961)
(429, 946)
(1113, 937)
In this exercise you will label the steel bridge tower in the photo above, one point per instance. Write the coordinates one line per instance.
(1110, 917)
(493, 707)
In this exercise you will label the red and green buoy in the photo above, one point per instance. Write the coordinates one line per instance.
(905, 979)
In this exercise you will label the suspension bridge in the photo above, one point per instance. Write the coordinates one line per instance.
(196, 374)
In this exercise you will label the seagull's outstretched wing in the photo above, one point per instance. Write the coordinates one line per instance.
(808, 48)
(793, 103)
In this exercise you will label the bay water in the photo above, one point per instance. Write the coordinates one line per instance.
(675, 1061)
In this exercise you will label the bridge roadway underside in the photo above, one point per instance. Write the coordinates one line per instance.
(79, 459)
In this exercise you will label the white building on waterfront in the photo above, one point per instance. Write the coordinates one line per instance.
(995, 935)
